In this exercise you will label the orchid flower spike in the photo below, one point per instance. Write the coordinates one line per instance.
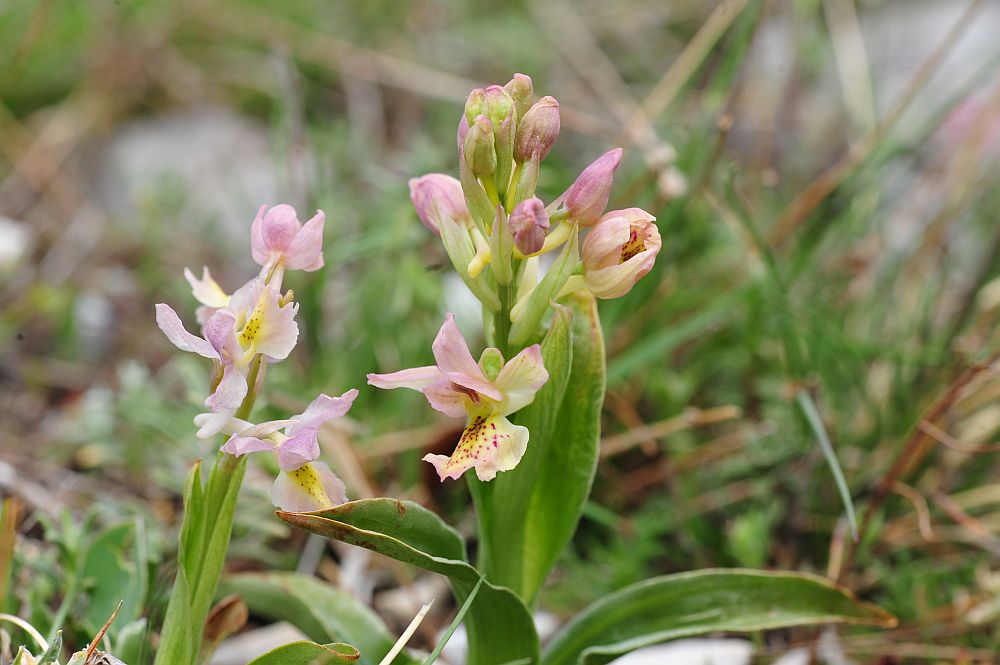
(619, 251)
(277, 237)
(303, 484)
(254, 321)
(485, 393)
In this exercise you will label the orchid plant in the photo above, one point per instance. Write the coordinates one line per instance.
(531, 405)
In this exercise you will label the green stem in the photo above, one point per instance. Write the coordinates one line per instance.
(501, 322)
(209, 525)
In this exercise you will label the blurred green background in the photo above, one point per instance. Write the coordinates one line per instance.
(825, 178)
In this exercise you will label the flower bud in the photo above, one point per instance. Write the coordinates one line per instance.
(499, 105)
(537, 130)
(586, 198)
(528, 223)
(480, 152)
(521, 91)
(619, 251)
(436, 194)
(463, 131)
(475, 105)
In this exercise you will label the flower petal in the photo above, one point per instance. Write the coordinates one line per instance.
(310, 487)
(456, 362)
(416, 378)
(258, 245)
(617, 280)
(220, 333)
(490, 444)
(206, 290)
(521, 378)
(211, 424)
(229, 393)
(244, 445)
(170, 324)
(270, 329)
(443, 397)
(322, 409)
(305, 252)
(298, 450)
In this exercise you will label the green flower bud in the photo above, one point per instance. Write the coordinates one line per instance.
(522, 92)
(475, 105)
(499, 105)
(480, 152)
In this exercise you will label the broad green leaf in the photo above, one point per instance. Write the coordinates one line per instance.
(528, 515)
(499, 626)
(308, 653)
(115, 571)
(132, 644)
(703, 601)
(321, 611)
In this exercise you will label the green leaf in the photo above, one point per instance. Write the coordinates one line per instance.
(500, 628)
(321, 611)
(308, 653)
(115, 571)
(528, 515)
(456, 622)
(703, 601)
(132, 645)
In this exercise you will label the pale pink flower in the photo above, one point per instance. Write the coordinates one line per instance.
(277, 237)
(252, 322)
(303, 484)
(619, 251)
(435, 195)
(485, 393)
(587, 197)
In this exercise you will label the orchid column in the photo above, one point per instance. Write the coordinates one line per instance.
(495, 229)
(242, 334)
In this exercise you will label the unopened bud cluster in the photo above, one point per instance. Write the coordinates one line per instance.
(494, 227)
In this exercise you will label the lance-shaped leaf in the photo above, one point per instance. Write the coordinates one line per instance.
(500, 628)
(528, 516)
(703, 601)
(321, 611)
(309, 653)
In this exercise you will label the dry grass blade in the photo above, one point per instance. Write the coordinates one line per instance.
(614, 445)
(816, 192)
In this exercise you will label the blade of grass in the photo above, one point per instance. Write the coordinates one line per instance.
(454, 624)
(808, 407)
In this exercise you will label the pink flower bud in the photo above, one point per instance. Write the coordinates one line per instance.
(521, 91)
(619, 251)
(435, 195)
(528, 223)
(277, 235)
(480, 151)
(463, 131)
(586, 198)
(537, 130)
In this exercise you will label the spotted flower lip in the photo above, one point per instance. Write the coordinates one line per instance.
(485, 393)
(277, 236)
(619, 251)
(303, 483)
(252, 322)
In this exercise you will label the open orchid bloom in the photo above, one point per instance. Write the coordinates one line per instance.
(253, 321)
(485, 393)
(277, 237)
(304, 484)
(619, 251)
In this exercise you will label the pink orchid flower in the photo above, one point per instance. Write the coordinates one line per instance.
(303, 484)
(619, 251)
(253, 322)
(277, 237)
(485, 393)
